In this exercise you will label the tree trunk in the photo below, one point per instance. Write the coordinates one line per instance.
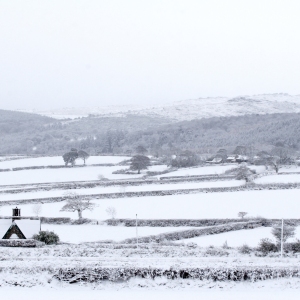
(79, 214)
(139, 171)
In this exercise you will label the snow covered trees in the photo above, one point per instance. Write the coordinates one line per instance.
(77, 203)
(288, 232)
(139, 162)
(83, 155)
(70, 157)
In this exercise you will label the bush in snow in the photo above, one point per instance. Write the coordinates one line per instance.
(266, 246)
(293, 247)
(245, 249)
(48, 237)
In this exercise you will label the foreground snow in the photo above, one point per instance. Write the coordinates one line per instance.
(148, 290)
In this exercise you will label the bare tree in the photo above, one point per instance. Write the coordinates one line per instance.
(111, 211)
(77, 203)
(83, 155)
(242, 214)
(288, 232)
(37, 209)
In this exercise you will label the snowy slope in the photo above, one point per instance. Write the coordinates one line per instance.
(192, 109)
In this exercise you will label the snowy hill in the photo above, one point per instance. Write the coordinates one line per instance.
(192, 109)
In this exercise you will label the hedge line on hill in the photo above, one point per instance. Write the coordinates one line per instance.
(54, 167)
(74, 275)
(188, 234)
(95, 183)
(252, 187)
(172, 222)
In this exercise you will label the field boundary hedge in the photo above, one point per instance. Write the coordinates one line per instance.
(172, 222)
(243, 188)
(29, 243)
(95, 183)
(191, 233)
(74, 275)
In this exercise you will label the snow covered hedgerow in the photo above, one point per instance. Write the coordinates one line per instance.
(245, 249)
(74, 275)
(293, 247)
(191, 233)
(48, 237)
(266, 245)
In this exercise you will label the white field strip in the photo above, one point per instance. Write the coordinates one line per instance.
(58, 161)
(94, 233)
(137, 289)
(293, 178)
(288, 169)
(208, 170)
(121, 189)
(251, 237)
(67, 174)
(265, 203)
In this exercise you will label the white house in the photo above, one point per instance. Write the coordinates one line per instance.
(18, 228)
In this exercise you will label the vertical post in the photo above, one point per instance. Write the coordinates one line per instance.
(136, 231)
(281, 238)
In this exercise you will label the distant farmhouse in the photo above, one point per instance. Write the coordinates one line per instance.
(18, 228)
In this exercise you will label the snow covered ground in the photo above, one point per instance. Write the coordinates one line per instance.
(67, 174)
(58, 160)
(237, 238)
(121, 189)
(136, 289)
(265, 203)
(94, 233)
(292, 178)
(207, 170)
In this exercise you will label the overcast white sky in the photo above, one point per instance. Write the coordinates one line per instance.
(76, 53)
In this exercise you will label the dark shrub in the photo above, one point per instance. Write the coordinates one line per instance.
(48, 237)
(293, 247)
(266, 246)
(245, 249)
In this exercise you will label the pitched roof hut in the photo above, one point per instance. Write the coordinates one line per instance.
(18, 228)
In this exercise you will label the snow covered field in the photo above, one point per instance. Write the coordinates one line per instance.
(237, 238)
(265, 203)
(58, 161)
(94, 233)
(292, 178)
(67, 174)
(121, 189)
(282, 289)
(207, 170)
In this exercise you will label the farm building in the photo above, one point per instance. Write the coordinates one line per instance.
(18, 228)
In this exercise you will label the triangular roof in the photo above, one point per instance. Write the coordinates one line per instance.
(13, 230)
